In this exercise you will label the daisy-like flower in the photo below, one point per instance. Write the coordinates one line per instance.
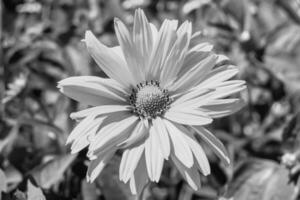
(162, 89)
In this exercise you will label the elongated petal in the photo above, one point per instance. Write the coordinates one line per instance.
(139, 180)
(219, 75)
(214, 143)
(99, 110)
(222, 107)
(222, 90)
(96, 166)
(130, 159)
(109, 61)
(163, 44)
(130, 52)
(199, 155)
(138, 135)
(194, 75)
(92, 90)
(142, 38)
(191, 174)
(174, 61)
(113, 133)
(162, 133)
(154, 156)
(79, 136)
(187, 116)
(180, 147)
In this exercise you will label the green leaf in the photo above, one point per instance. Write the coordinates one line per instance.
(51, 172)
(260, 179)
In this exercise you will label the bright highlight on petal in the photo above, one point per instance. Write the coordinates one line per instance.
(162, 89)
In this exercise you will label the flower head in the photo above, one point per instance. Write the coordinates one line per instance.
(162, 89)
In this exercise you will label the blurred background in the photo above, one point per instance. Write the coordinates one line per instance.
(41, 44)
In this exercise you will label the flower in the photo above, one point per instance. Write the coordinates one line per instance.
(162, 89)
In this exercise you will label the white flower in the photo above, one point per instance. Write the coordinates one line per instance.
(160, 93)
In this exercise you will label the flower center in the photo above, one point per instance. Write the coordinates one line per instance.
(149, 99)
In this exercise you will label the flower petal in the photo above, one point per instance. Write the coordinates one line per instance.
(191, 174)
(222, 107)
(129, 161)
(180, 147)
(139, 180)
(214, 143)
(199, 155)
(99, 110)
(142, 39)
(139, 134)
(194, 75)
(96, 166)
(92, 90)
(109, 61)
(79, 136)
(188, 116)
(161, 48)
(162, 133)
(113, 133)
(175, 59)
(129, 50)
(154, 156)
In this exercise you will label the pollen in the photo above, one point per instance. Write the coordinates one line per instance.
(149, 100)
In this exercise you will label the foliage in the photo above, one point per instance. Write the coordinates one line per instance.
(41, 43)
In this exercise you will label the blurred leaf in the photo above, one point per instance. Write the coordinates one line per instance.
(78, 59)
(3, 182)
(260, 179)
(34, 193)
(287, 69)
(192, 5)
(13, 177)
(19, 195)
(292, 7)
(111, 186)
(291, 133)
(89, 191)
(49, 173)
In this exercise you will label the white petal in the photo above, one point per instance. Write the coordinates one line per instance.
(143, 39)
(214, 143)
(194, 75)
(188, 116)
(99, 110)
(97, 165)
(130, 159)
(180, 146)
(81, 133)
(219, 75)
(199, 154)
(222, 90)
(154, 156)
(175, 59)
(191, 175)
(113, 133)
(130, 52)
(138, 135)
(222, 107)
(161, 48)
(163, 136)
(202, 47)
(139, 180)
(109, 61)
(92, 90)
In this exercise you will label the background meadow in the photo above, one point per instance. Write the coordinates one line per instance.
(41, 44)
